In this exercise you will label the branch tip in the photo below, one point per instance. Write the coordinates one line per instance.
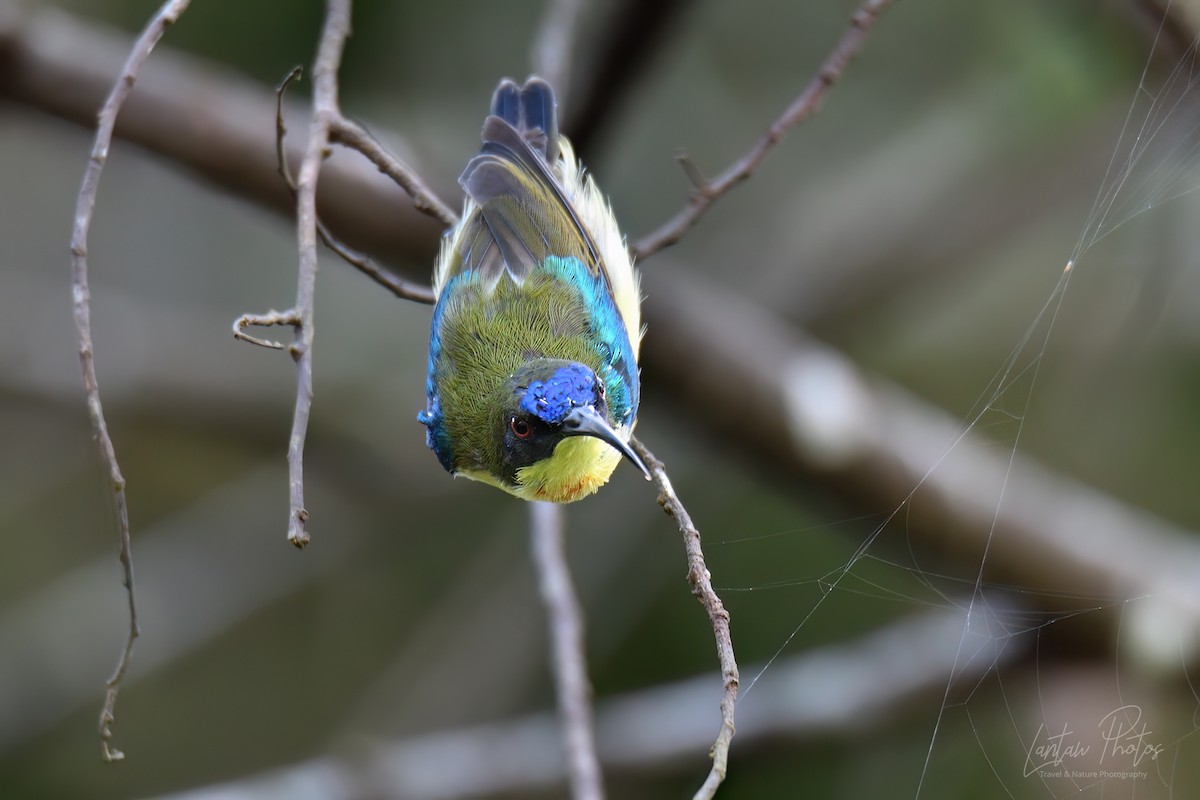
(805, 104)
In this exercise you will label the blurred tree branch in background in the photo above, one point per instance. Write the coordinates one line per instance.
(551, 54)
(636, 33)
(205, 119)
(568, 652)
(828, 694)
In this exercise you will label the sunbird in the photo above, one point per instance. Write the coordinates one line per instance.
(533, 378)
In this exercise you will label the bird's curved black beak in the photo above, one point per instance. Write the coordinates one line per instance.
(587, 421)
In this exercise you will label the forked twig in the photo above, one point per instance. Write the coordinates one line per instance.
(350, 134)
(326, 120)
(325, 104)
(806, 103)
(334, 31)
(701, 582)
(405, 290)
(81, 294)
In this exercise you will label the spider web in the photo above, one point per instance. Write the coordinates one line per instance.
(1035, 691)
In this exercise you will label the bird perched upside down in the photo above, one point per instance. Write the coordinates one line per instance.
(533, 377)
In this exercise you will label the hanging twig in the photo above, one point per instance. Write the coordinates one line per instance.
(701, 583)
(84, 206)
(405, 290)
(705, 193)
(325, 103)
(567, 646)
(325, 109)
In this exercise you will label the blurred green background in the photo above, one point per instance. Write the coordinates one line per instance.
(917, 223)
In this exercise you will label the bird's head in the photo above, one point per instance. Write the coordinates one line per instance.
(557, 442)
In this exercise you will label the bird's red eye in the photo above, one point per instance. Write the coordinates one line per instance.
(520, 428)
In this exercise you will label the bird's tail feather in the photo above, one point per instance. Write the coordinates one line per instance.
(533, 111)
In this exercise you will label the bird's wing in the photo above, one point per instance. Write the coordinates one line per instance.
(523, 214)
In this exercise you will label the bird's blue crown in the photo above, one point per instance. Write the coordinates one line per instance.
(552, 399)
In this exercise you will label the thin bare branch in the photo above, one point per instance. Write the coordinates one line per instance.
(81, 293)
(325, 110)
(553, 47)
(347, 132)
(405, 290)
(805, 104)
(701, 582)
(567, 649)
